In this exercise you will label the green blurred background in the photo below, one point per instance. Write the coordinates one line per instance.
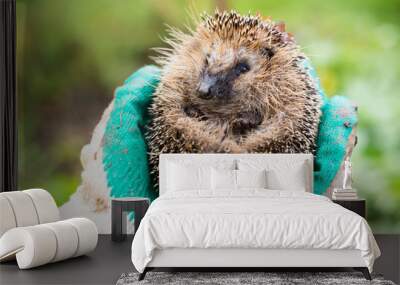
(71, 55)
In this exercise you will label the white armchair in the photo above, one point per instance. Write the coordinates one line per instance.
(31, 230)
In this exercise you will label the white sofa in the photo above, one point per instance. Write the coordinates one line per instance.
(31, 230)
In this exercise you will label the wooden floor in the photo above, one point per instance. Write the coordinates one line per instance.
(103, 266)
(110, 260)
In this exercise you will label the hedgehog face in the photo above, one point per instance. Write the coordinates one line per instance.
(225, 89)
(223, 70)
(234, 83)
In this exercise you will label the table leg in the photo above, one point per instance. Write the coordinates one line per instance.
(116, 221)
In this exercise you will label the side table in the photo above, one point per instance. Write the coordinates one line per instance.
(357, 206)
(119, 207)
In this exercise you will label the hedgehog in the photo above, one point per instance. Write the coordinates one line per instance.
(234, 84)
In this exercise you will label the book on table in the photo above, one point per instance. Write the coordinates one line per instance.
(344, 194)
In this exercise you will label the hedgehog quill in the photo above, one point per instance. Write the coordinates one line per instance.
(236, 84)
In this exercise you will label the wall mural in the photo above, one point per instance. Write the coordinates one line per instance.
(237, 84)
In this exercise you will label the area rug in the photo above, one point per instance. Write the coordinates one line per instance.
(269, 278)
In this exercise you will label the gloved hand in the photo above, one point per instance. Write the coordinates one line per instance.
(336, 135)
(124, 147)
(115, 161)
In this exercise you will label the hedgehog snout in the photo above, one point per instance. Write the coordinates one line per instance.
(214, 86)
(204, 89)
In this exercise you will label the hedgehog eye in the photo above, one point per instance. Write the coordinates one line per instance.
(268, 52)
(241, 67)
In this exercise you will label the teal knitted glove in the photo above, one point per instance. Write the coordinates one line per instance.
(339, 117)
(125, 149)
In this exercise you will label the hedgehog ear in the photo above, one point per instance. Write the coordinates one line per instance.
(280, 26)
(285, 36)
